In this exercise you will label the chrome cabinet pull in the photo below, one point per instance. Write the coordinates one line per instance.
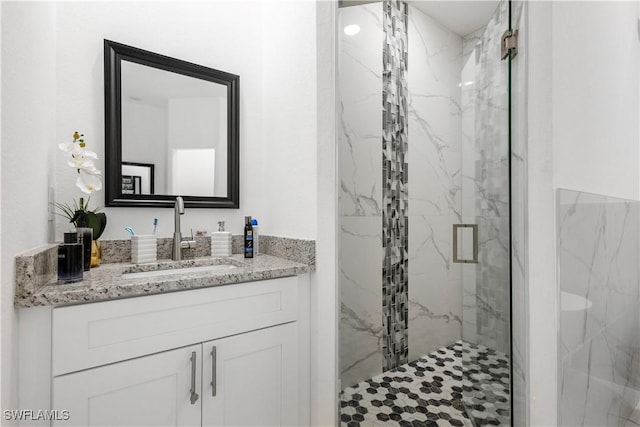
(213, 371)
(194, 395)
(474, 229)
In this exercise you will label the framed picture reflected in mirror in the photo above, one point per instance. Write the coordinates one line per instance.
(137, 178)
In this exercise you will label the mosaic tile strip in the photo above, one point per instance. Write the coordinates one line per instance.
(432, 391)
(395, 223)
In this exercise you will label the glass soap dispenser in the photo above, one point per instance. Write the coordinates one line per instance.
(70, 259)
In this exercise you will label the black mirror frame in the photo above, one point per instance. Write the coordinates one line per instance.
(114, 53)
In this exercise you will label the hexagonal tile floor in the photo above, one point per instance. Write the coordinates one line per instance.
(429, 391)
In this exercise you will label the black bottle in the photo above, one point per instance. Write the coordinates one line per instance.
(70, 259)
(248, 237)
(85, 237)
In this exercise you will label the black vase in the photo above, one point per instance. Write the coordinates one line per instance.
(70, 259)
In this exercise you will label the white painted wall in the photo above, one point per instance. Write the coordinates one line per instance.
(191, 122)
(28, 129)
(289, 150)
(583, 68)
(324, 284)
(595, 97)
(147, 143)
(274, 54)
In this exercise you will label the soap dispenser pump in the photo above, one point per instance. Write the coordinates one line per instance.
(221, 241)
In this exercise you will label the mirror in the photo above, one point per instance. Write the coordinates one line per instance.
(172, 129)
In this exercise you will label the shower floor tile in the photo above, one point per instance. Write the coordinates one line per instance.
(429, 391)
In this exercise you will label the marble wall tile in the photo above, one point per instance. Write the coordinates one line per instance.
(435, 286)
(361, 298)
(440, 168)
(360, 196)
(434, 117)
(485, 183)
(360, 94)
(598, 253)
(491, 133)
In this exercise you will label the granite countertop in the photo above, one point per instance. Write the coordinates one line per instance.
(110, 281)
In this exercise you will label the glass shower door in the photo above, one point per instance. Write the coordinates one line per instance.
(483, 241)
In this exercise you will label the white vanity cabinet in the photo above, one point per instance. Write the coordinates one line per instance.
(255, 381)
(219, 356)
(148, 391)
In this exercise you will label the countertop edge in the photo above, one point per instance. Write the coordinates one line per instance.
(113, 286)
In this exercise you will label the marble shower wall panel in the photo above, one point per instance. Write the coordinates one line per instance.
(435, 292)
(360, 171)
(434, 117)
(489, 179)
(491, 121)
(360, 81)
(361, 299)
(394, 194)
(492, 284)
(434, 157)
(468, 190)
(598, 253)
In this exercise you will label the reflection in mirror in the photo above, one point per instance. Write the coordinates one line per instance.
(178, 124)
(173, 126)
(137, 178)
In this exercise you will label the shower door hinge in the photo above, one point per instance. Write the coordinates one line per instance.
(509, 44)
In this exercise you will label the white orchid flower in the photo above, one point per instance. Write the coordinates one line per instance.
(69, 146)
(91, 170)
(78, 162)
(88, 183)
(90, 154)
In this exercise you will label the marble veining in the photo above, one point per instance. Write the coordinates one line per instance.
(360, 194)
(448, 179)
(361, 298)
(360, 131)
(598, 252)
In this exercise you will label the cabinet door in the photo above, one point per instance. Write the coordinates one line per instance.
(252, 380)
(149, 391)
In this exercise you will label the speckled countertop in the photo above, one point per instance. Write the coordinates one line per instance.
(36, 277)
(110, 281)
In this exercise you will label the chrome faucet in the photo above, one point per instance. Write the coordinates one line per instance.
(178, 243)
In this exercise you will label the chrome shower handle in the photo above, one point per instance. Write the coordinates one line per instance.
(474, 228)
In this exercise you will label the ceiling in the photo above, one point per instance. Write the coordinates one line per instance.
(462, 17)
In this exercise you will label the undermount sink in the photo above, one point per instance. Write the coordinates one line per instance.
(218, 268)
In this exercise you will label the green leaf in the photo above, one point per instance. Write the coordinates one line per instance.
(97, 221)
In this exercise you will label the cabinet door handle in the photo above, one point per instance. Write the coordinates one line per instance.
(194, 395)
(213, 371)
